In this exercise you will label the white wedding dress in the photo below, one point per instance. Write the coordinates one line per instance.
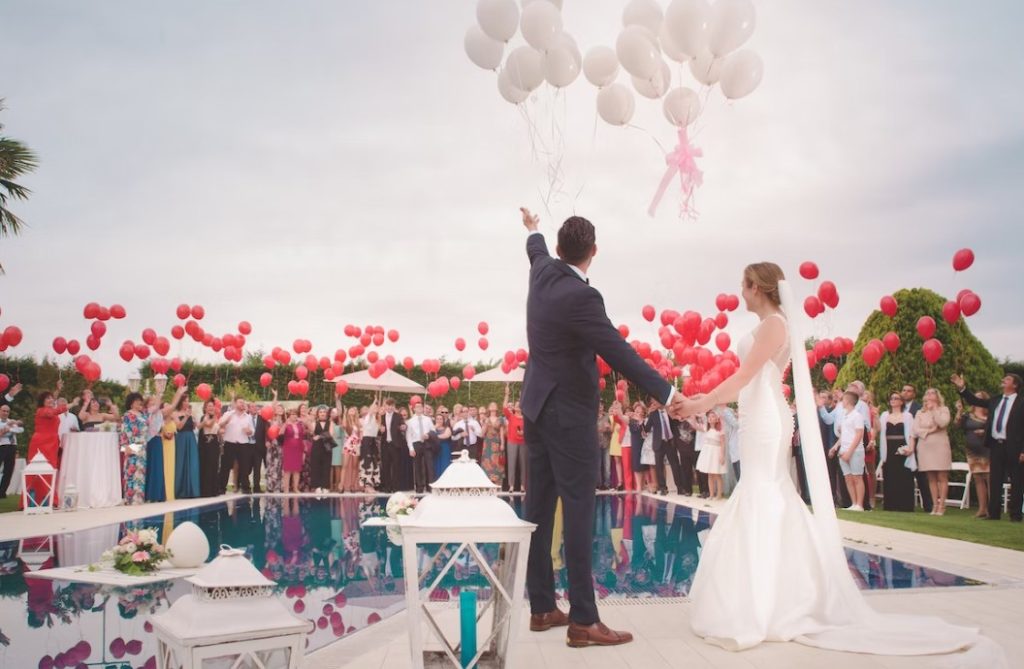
(773, 571)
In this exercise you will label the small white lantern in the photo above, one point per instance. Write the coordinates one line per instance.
(41, 474)
(69, 500)
(231, 618)
(464, 510)
(134, 379)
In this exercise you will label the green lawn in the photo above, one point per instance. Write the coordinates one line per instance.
(9, 503)
(956, 524)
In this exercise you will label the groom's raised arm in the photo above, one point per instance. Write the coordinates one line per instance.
(591, 324)
(536, 247)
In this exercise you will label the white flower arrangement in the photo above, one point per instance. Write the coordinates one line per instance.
(399, 504)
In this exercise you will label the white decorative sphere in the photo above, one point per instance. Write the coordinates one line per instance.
(188, 546)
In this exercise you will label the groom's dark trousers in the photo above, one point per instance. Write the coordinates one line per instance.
(566, 326)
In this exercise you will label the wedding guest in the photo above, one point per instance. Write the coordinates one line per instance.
(934, 455)
(8, 397)
(350, 463)
(604, 442)
(731, 428)
(850, 448)
(293, 450)
(209, 450)
(237, 426)
(826, 405)
(699, 425)
(896, 447)
(516, 452)
(687, 455)
(93, 414)
(369, 451)
(306, 418)
(274, 459)
(422, 442)
(160, 449)
(259, 445)
(133, 437)
(68, 420)
(492, 456)
(340, 435)
(619, 428)
(912, 406)
(186, 450)
(659, 427)
(712, 459)
(637, 434)
(394, 450)
(976, 444)
(871, 449)
(323, 446)
(1004, 434)
(443, 428)
(45, 439)
(9, 429)
(466, 433)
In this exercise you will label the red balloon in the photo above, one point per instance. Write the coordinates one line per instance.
(891, 341)
(951, 312)
(93, 342)
(970, 304)
(408, 363)
(273, 431)
(104, 314)
(141, 351)
(468, 372)
(722, 302)
(372, 357)
(176, 364)
(809, 270)
(828, 294)
(204, 391)
(963, 259)
(455, 383)
(366, 339)
(721, 320)
(177, 332)
(871, 355)
(888, 306)
(812, 358)
(91, 311)
(267, 412)
(378, 339)
(393, 336)
(813, 306)
(482, 327)
(117, 311)
(162, 346)
(669, 316)
(73, 347)
(734, 302)
(932, 351)
(521, 355)
(149, 336)
(198, 312)
(648, 313)
(483, 343)
(830, 371)
(341, 387)
(127, 352)
(311, 362)
(303, 387)
(179, 380)
(624, 330)
(60, 345)
(12, 335)
(301, 372)
(926, 327)
(245, 327)
(722, 341)
(183, 311)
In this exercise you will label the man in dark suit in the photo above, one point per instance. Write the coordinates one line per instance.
(394, 450)
(259, 452)
(912, 406)
(567, 327)
(1004, 434)
(660, 427)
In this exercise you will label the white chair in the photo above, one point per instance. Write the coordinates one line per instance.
(965, 499)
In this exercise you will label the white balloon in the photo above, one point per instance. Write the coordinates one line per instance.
(525, 68)
(669, 47)
(483, 50)
(541, 24)
(742, 74)
(566, 41)
(188, 545)
(498, 18)
(601, 66)
(689, 25)
(644, 13)
(615, 104)
(706, 68)
(560, 67)
(509, 91)
(681, 106)
(732, 24)
(638, 51)
(656, 86)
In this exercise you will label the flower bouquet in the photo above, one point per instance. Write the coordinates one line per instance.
(138, 553)
(399, 504)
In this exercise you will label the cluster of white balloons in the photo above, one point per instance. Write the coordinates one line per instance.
(703, 35)
(550, 54)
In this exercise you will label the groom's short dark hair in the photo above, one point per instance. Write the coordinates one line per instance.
(576, 238)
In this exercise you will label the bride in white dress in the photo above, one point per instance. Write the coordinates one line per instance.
(771, 570)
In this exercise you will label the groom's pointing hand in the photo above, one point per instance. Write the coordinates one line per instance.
(531, 221)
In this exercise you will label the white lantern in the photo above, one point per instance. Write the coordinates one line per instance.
(464, 510)
(231, 619)
(134, 379)
(42, 476)
(160, 381)
(69, 500)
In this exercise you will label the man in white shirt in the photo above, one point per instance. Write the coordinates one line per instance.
(466, 433)
(68, 420)
(237, 426)
(8, 446)
(8, 397)
(417, 434)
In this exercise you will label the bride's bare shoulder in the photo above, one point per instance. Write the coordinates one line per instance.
(772, 330)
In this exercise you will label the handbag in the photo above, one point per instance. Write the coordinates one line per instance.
(647, 451)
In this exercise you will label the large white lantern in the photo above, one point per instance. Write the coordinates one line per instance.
(230, 619)
(42, 476)
(464, 511)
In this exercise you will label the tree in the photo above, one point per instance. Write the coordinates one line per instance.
(16, 160)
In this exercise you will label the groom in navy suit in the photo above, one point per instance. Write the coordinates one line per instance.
(567, 326)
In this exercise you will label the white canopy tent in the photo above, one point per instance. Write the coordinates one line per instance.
(390, 382)
(496, 375)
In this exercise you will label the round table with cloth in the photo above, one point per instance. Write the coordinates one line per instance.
(91, 461)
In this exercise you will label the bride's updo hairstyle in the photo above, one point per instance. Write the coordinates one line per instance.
(766, 276)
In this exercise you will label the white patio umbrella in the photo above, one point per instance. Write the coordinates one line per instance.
(390, 382)
(496, 375)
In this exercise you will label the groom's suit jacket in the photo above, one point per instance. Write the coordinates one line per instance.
(566, 326)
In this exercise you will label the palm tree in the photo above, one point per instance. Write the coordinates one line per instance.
(16, 160)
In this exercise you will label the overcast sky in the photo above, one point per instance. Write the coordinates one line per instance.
(307, 165)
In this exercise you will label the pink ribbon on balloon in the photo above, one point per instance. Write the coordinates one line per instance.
(681, 160)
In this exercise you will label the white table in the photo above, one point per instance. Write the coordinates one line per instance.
(92, 462)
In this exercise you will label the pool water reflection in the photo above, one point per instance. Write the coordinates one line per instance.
(331, 570)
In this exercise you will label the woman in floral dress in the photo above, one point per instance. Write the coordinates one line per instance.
(492, 457)
(133, 437)
(273, 462)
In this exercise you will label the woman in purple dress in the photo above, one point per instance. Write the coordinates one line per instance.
(293, 438)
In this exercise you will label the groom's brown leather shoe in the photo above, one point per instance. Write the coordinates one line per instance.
(541, 622)
(598, 634)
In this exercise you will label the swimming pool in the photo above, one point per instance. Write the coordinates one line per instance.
(340, 575)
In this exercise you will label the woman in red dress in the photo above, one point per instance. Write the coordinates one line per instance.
(44, 439)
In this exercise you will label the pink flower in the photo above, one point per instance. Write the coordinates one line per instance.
(140, 556)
